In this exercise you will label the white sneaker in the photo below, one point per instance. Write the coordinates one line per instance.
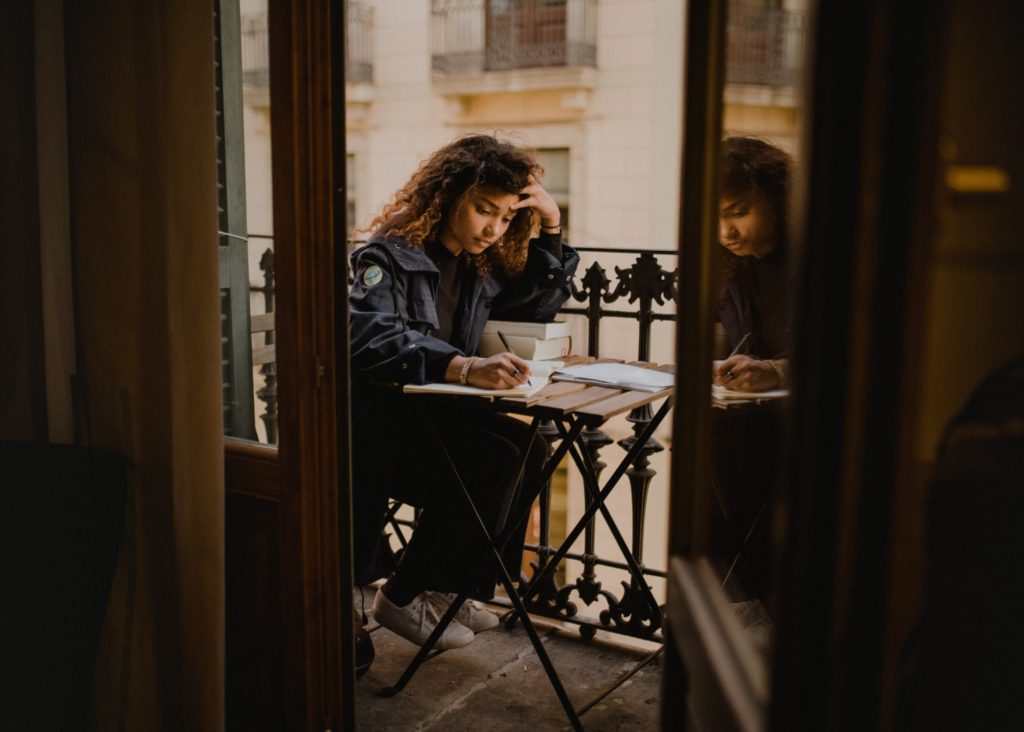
(417, 620)
(472, 614)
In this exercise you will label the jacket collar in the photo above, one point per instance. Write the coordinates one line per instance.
(408, 258)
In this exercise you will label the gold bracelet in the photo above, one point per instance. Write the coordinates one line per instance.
(465, 369)
(779, 372)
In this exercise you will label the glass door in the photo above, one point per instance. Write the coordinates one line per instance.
(744, 137)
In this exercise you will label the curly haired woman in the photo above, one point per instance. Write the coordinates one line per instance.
(753, 300)
(450, 251)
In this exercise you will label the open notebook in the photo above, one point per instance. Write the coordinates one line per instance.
(539, 373)
(723, 394)
(616, 375)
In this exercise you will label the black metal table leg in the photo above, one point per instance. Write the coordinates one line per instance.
(506, 581)
(596, 505)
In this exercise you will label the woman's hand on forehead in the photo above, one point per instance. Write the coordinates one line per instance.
(534, 196)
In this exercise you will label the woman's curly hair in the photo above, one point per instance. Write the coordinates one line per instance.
(420, 208)
(752, 165)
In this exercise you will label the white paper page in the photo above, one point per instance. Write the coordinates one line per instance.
(617, 374)
(720, 392)
(539, 372)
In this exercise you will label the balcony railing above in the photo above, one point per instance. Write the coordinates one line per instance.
(358, 47)
(765, 47)
(255, 51)
(359, 43)
(476, 36)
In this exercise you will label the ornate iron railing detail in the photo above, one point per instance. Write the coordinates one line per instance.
(268, 392)
(765, 47)
(642, 285)
(474, 36)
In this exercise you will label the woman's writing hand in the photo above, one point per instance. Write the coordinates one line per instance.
(538, 198)
(744, 373)
(501, 371)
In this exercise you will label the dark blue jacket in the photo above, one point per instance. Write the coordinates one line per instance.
(393, 309)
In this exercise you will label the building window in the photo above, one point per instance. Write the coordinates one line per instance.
(765, 44)
(471, 36)
(525, 34)
(555, 162)
(350, 191)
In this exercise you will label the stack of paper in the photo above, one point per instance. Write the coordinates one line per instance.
(724, 396)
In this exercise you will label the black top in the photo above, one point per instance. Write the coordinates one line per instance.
(756, 301)
(449, 287)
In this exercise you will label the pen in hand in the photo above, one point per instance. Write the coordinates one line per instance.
(736, 350)
(504, 342)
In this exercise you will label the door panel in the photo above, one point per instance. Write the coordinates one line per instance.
(863, 213)
(288, 663)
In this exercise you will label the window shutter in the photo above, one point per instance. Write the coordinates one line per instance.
(236, 341)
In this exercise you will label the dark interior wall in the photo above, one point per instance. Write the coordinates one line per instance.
(22, 377)
(143, 221)
(971, 324)
(971, 317)
(975, 312)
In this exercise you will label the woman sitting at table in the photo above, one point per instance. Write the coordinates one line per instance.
(451, 250)
(753, 297)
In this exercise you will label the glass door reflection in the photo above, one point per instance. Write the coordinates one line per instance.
(761, 138)
(245, 226)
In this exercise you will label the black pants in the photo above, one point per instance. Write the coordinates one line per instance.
(744, 470)
(447, 551)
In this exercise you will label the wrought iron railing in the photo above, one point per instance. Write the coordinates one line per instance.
(645, 291)
(642, 289)
(358, 46)
(765, 47)
(264, 350)
(474, 36)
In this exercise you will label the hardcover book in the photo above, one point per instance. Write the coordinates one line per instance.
(532, 349)
(554, 329)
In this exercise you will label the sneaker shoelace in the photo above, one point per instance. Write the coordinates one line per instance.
(428, 614)
(442, 600)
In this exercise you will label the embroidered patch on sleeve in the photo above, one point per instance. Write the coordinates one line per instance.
(372, 276)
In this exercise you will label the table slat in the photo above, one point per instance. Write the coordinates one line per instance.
(561, 405)
(598, 412)
(549, 391)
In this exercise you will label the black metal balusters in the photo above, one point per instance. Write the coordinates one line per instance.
(644, 283)
(268, 393)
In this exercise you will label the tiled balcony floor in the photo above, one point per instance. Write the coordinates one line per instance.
(498, 683)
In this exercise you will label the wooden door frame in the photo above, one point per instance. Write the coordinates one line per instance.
(305, 475)
(304, 84)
